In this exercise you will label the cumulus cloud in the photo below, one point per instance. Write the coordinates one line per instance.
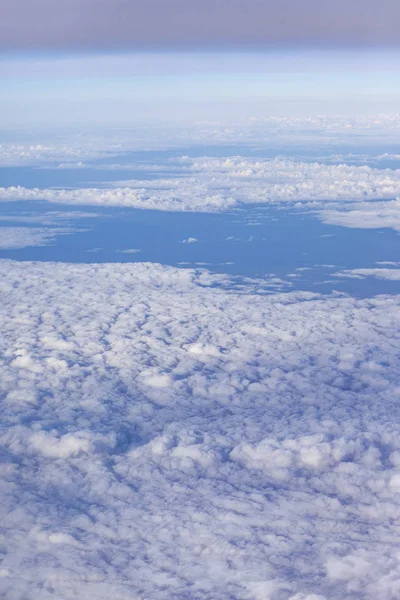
(190, 240)
(50, 154)
(170, 195)
(339, 193)
(166, 437)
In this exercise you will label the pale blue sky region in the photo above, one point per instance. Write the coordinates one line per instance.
(122, 89)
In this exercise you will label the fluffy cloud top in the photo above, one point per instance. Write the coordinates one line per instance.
(340, 194)
(164, 437)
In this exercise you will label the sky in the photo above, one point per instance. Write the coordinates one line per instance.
(109, 89)
(123, 62)
(171, 24)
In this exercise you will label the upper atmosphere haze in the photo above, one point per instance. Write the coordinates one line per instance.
(172, 24)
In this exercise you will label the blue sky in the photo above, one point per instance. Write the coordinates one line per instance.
(123, 89)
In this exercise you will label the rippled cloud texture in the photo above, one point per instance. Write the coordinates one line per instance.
(166, 437)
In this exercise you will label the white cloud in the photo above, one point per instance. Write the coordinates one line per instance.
(46, 153)
(340, 194)
(371, 215)
(22, 237)
(48, 218)
(165, 437)
(190, 240)
(188, 198)
(391, 274)
(72, 151)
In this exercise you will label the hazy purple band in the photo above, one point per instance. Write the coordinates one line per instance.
(202, 24)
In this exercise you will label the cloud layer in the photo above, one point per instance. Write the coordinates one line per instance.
(86, 24)
(23, 237)
(164, 437)
(341, 194)
(293, 133)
